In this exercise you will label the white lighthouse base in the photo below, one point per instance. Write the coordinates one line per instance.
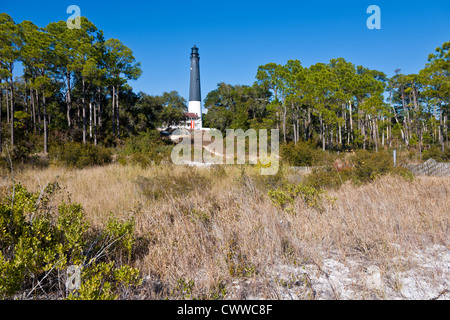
(196, 108)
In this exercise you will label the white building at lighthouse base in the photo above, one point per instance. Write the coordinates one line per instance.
(195, 109)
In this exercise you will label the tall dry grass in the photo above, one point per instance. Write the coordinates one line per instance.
(217, 225)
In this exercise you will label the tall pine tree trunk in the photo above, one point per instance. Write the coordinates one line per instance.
(113, 120)
(45, 125)
(307, 124)
(375, 133)
(99, 105)
(12, 106)
(444, 130)
(7, 102)
(322, 133)
(90, 119)
(305, 132)
(33, 109)
(351, 122)
(38, 107)
(79, 116)
(340, 135)
(331, 137)
(294, 125)
(388, 138)
(27, 106)
(363, 131)
(117, 114)
(405, 122)
(83, 103)
(95, 123)
(69, 100)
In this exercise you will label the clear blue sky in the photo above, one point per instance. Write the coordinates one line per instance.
(235, 37)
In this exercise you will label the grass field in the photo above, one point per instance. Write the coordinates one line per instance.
(215, 233)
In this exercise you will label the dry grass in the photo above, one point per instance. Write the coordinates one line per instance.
(218, 225)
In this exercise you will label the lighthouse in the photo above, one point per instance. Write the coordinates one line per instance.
(195, 104)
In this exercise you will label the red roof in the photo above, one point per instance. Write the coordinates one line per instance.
(191, 115)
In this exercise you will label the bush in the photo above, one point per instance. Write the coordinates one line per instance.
(436, 153)
(364, 167)
(327, 177)
(37, 244)
(285, 197)
(124, 232)
(145, 149)
(303, 154)
(370, 165)
(261, 182)
(78, 155)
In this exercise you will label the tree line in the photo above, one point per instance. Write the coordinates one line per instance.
(74, 87)
(59, 64)
(340, 105)
(73, 81)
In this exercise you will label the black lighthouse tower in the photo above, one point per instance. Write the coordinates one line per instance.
(195, 106)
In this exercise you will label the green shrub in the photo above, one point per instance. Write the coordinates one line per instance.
(264, 182)
(78, 155)
(123, 232)
(127, 276)
(184, 288)
(11, 277)
(303, 154)
(370, 165)
(96, 284)
(39, 244)
(72, 227)
(404, 173)
(327, 177)
(284, 197)
(281, 198)
(145, 149)
(364, 167)
(436, 153)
